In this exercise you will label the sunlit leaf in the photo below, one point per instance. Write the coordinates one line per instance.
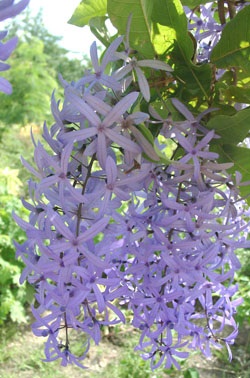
(87, 10)
(195, 80)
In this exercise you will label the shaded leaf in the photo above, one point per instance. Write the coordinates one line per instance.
(191, 373)
(233, 49)
(237, 94)
(98, 28)
(240, 156)
(87, 10)
(194, 3)
(232, 129)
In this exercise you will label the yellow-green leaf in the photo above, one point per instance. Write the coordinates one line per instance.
(87, 10)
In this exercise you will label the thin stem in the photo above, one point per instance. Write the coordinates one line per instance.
(79, 210)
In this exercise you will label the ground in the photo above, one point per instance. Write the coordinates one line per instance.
(21, 353)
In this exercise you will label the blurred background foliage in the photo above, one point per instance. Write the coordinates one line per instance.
(35, 65)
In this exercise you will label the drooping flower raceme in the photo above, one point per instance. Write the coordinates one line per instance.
(8, 9)
(112, 221)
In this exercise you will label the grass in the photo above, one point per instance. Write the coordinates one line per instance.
(21, 356)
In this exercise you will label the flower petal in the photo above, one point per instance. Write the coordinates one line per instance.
(157, 64)
(143, 84)
(120, 108)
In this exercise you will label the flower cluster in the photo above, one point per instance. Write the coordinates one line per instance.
(205, 28)
(7, 10)
(113, 220)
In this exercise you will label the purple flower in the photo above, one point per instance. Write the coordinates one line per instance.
(106, 226)
(165, 350)
(99, 76)
(7, 10)
(195, 152)
(132, 64)
(205, 29)
(104, 129)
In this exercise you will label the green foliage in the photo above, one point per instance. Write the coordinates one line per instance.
(193, 3)
(35, 65)
(243, 280)
(57, 57)
(194, 81)
(232, 129)
(13, 296)
(233, 49)
(87, 10)
(15, 142)
(140, 29)
(159, 28)
(32, 81)
(191, 373)
(240, 156)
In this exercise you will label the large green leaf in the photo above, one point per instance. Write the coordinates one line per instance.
(194, 3)
(236, 94)
(240, 156)
(232, 129)
(140, 30)
(195, 79)
(87, 10)
(162, 38)
(233, 49)
(171, 14)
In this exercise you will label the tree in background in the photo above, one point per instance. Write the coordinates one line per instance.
(36, 63)
(59, 58)
(33, 81)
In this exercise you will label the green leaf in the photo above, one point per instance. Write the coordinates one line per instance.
(194, 3)
(87, 10)
(236, 94)
(98, 28)
(162, 38)
(17, 312)
(140, 30)
(171, 14)
(232, 129)
(240, 156)
(146, 133)
(191, 373)
(233, 49)
(195, 80)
